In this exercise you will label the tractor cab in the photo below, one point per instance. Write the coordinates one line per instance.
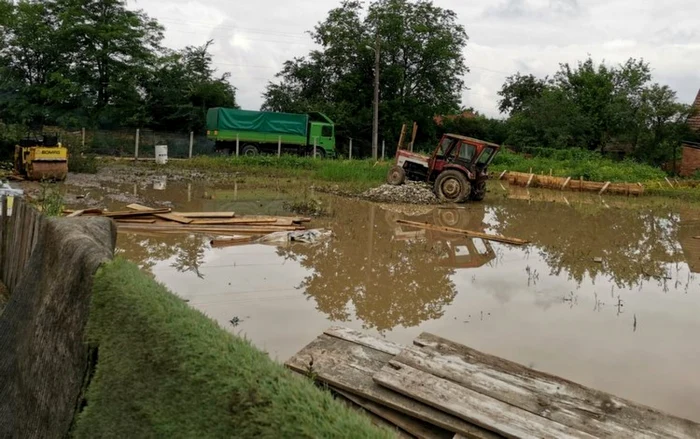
(458, 167)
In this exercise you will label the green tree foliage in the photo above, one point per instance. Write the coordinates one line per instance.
(596, 107)
(96, 63)
(421, 65)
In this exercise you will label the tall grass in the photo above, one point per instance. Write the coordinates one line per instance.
(165, 370)
(577, 163)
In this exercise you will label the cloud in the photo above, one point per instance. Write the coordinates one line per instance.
(534, 9)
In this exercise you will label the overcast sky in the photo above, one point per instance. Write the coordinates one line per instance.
(253, 38)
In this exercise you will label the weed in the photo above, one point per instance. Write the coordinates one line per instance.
(50, 201)
(83, 163)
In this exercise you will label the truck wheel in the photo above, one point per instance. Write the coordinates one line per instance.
(396, 176)
(250, 150)
(320, 153)
(478, 191)
(452, 186)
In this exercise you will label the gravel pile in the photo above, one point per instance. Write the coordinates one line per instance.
(412, 192)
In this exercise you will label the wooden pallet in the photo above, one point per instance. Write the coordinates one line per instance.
(438, 389)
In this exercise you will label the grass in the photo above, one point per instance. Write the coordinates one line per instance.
(166, 370)
(359, 173)
(578, 163)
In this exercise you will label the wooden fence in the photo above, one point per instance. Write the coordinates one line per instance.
(18, 236)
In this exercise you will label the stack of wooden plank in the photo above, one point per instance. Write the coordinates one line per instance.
(441, 389)
(137, 218)
(573, 184)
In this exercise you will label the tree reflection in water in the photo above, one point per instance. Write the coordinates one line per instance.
(147, 250)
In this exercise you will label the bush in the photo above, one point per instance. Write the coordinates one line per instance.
(83, 163)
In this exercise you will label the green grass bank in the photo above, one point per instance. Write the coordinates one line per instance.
(166, 370)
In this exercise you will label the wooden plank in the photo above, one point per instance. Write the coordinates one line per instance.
(75, 213)
(205, 214)
(358, 337)
(568, 179)
(132, 213)
(376, 420)
(529, 180)
(599, 413)
(165, 216)
(348, 366)
(174, 218)
(471, 233)
(229, 242)
(136, 220)
(237, 221)
(474, 407)
(415, 427)
(668, 181)
(605, 186)
(502, 174)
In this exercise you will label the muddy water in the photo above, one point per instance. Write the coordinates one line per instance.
(607, 293)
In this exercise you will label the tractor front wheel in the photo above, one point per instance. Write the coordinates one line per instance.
(478, 191)
(396, 176)
(452, 186)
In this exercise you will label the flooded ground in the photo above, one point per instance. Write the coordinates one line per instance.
(606, 295)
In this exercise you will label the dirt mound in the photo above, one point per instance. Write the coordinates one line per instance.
(411, 192)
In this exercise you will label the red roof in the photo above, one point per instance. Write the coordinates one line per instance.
(694, 120)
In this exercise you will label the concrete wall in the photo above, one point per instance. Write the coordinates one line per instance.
(43, 356)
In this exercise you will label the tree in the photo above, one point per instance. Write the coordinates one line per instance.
(594, 106)
(420, 70)
(183, 87)
(518, 91)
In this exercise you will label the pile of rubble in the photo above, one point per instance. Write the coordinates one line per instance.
(412, 192)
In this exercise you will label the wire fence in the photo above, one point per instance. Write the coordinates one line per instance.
(141, 143)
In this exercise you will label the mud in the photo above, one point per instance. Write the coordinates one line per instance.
(607, 294)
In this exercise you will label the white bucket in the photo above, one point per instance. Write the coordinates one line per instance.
(161, 154)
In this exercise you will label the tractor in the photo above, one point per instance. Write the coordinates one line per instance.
(457, 169)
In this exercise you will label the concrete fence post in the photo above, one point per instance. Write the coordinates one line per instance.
(383, 147)
(136, 144)
(279, 146)
(237, 143)
(350, 150)
(191, 142)
(82, 135)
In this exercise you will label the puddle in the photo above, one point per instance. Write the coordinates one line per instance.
(607, 294)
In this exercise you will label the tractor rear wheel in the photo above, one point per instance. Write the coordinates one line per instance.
(478, 191)
(452, 186)
(396, 176)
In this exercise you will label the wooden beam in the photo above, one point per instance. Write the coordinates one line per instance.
(362, 339)
(668, 181)
(470, 233)
(471, 406)
(568, 179)
(128, 213)
(502, 174)
(230, 242)
(135, 220)
(235, 221)
(605, 186)
(529, 180)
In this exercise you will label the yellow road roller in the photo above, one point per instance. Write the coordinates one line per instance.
(41, 158)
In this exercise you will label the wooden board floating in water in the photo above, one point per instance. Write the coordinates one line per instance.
(439, 386)
(470, 233)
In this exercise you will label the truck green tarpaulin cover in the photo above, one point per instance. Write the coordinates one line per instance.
(258, 121)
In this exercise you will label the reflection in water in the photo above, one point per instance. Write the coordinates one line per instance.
(605, 294)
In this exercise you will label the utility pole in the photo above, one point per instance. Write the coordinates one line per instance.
(375, 121)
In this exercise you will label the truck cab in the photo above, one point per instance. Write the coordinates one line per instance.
(322, 131)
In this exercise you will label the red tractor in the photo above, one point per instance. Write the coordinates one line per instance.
(457, 168)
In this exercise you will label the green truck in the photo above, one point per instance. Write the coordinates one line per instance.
(255, 132)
